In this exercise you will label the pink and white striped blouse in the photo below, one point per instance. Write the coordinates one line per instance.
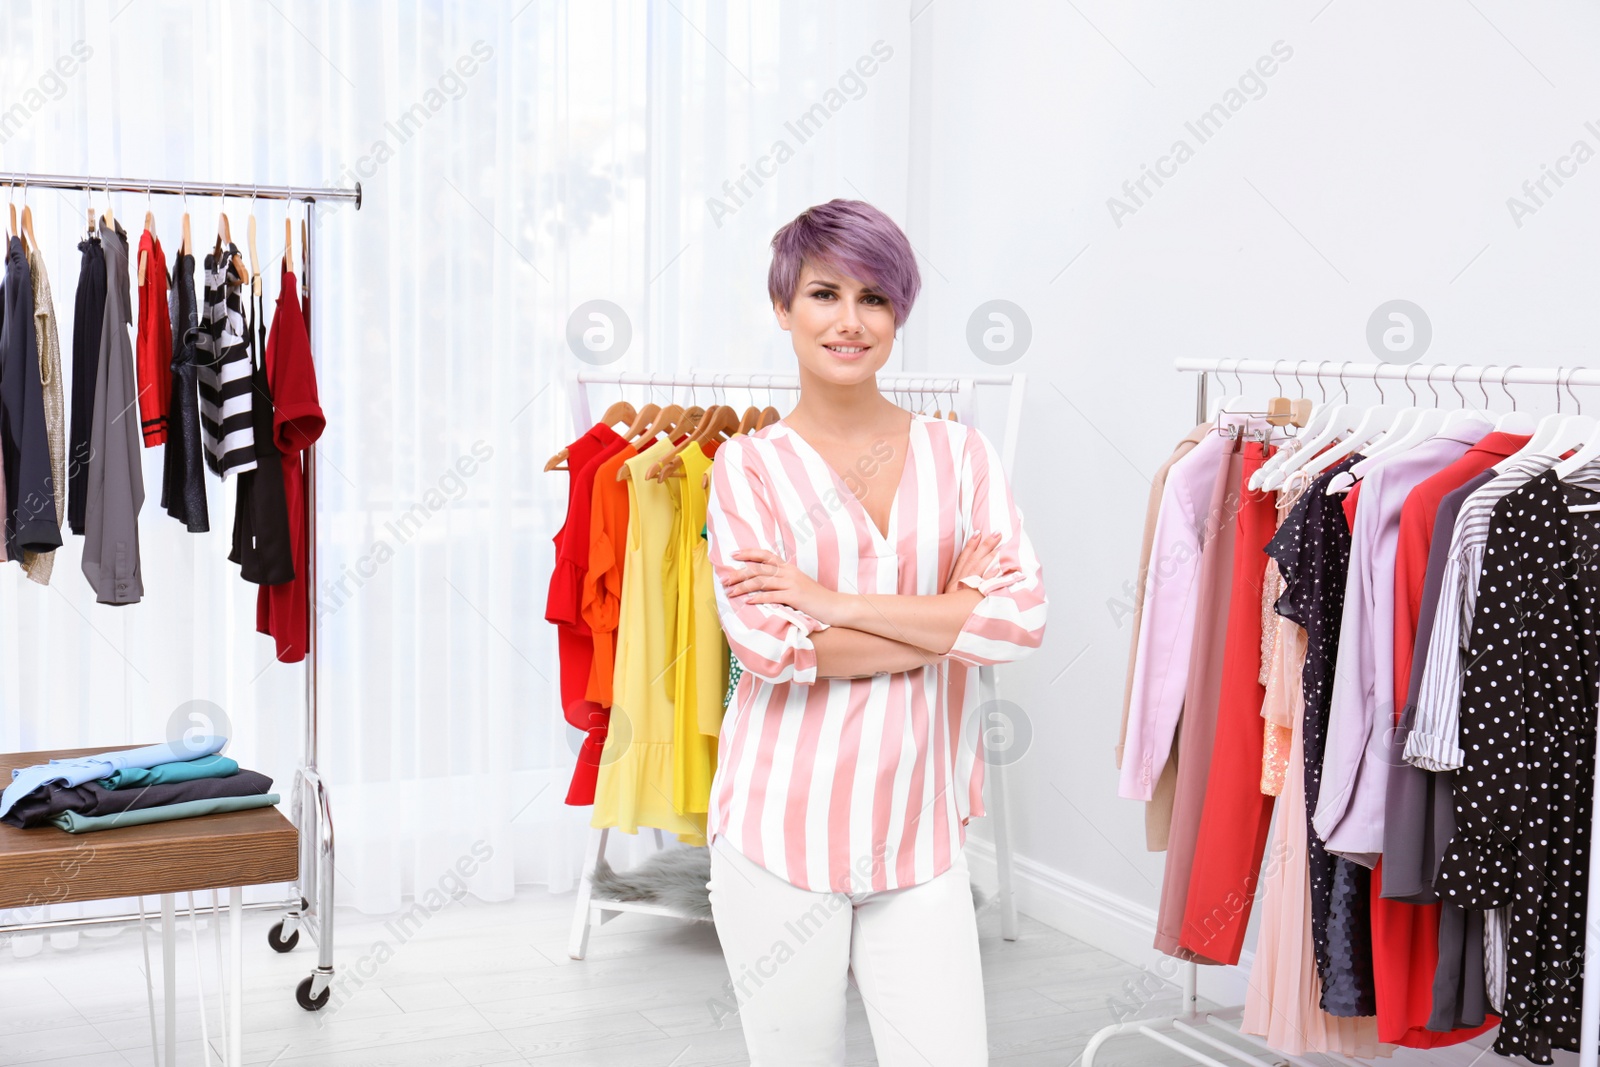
(858, 784)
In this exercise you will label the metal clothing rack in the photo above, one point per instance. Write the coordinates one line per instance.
(1190, 1019)
(311, 906)
(592, 910)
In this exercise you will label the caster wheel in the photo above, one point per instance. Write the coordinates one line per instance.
(280, 943)
(302, 994)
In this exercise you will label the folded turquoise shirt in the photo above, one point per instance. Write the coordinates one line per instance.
(80, 769)
(187, 771)
(73, 823)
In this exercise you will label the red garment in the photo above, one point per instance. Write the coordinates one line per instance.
(564, 605)
(154, 345)
(284, 611)
(1237, 816)
(1405, 937)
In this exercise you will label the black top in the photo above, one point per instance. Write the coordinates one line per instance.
(31, 521)
(1312, 548)
(1524, 790)
(261, 519)
(88, 315)
(183, 486)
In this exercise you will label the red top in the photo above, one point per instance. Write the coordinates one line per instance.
(154, 346)
(1405, 948)
(297, 421)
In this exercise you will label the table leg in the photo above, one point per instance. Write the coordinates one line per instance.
(169, 978)
(236, 963)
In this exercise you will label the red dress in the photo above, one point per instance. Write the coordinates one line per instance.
(1237, 816)
(564, 605)
(283, 611)
(154, 345)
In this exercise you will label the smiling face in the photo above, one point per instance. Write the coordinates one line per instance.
(843, 328)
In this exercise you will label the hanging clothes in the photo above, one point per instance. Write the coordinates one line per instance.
(1313, 553)
(1236, 816)
(284, 610)
(114, 491)
(154, 342)
(39, 565)
(1355, 766)
(262, 545)
(1149, 759)
(1524, 790)
(1406, 918)
(225, 421)
(1197, 731)
(1158, 811)
(634, 784)
(602, 582)
(1283, 1000)
(30, 519)
(564, 605)
(89, 308)
(183, 485)
(700, 651)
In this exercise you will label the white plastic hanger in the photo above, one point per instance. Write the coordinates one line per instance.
(1426, 422)
(1513, 421)
(1238, 403)
(1580, 431)
(1463, 414)
(1319, 417)
(1374, 421)
(1328, 424)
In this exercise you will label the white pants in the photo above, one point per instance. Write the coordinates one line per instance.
(913, 951)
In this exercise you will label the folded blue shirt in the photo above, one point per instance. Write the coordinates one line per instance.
(81, 769)
(73, 823)
(169, 773)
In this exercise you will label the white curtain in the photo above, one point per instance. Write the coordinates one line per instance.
(517, 160)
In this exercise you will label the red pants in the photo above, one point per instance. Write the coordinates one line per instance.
(1237, 815)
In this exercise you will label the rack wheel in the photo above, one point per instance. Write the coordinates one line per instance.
(280, 943)
(302, 994)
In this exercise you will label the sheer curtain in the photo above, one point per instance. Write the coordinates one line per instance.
(517, 161)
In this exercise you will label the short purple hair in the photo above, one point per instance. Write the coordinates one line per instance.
(853, 237)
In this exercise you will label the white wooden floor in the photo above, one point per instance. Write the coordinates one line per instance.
(492, 984)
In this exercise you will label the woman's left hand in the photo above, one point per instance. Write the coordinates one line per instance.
(771, 579)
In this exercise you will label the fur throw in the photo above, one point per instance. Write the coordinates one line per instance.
(676, 878)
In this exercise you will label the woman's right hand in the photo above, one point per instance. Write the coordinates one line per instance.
(973, 559)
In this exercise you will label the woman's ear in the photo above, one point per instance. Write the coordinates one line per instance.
(782, 314)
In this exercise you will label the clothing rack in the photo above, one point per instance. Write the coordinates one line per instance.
(1190, 1019)
(592, 910)
(311, 905)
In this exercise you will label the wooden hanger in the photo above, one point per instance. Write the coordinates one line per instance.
(109, 217)
(708, 424)
(150, 228)
(664, 416)
(752, 416)
(288, 248)
(255, 271)
(27, 226)
(621, 411)
(769, 415)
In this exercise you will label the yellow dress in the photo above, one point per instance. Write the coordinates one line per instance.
(633, 787)
(700, 666)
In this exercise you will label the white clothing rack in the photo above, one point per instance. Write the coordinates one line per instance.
(311, 906)
(1191, 1018)
(592, 910)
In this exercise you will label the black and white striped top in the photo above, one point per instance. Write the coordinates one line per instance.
(223, 363)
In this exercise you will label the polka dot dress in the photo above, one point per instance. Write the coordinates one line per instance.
(1312, 548)
(1524, 792)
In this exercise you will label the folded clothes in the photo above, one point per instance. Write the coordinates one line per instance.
(74, 823)
(187, 771)
(92, 798)
(80, 769)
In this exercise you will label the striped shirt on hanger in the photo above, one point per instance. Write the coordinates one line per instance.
(223, 363)
(860, 784)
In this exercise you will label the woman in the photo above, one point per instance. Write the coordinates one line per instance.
(867, 559)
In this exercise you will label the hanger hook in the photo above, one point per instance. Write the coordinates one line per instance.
(1503, 375)
(1572, 373)
(1322, 382)
(1482, 371)
(1383, 398)
(1429, 380)
(1275, 383)
(1344, 387)
(1405, 379)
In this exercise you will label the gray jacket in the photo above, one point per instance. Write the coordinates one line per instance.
(115, 492)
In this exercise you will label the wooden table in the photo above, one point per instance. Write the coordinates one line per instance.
(47, 865)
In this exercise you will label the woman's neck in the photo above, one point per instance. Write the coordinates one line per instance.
(841, 410)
